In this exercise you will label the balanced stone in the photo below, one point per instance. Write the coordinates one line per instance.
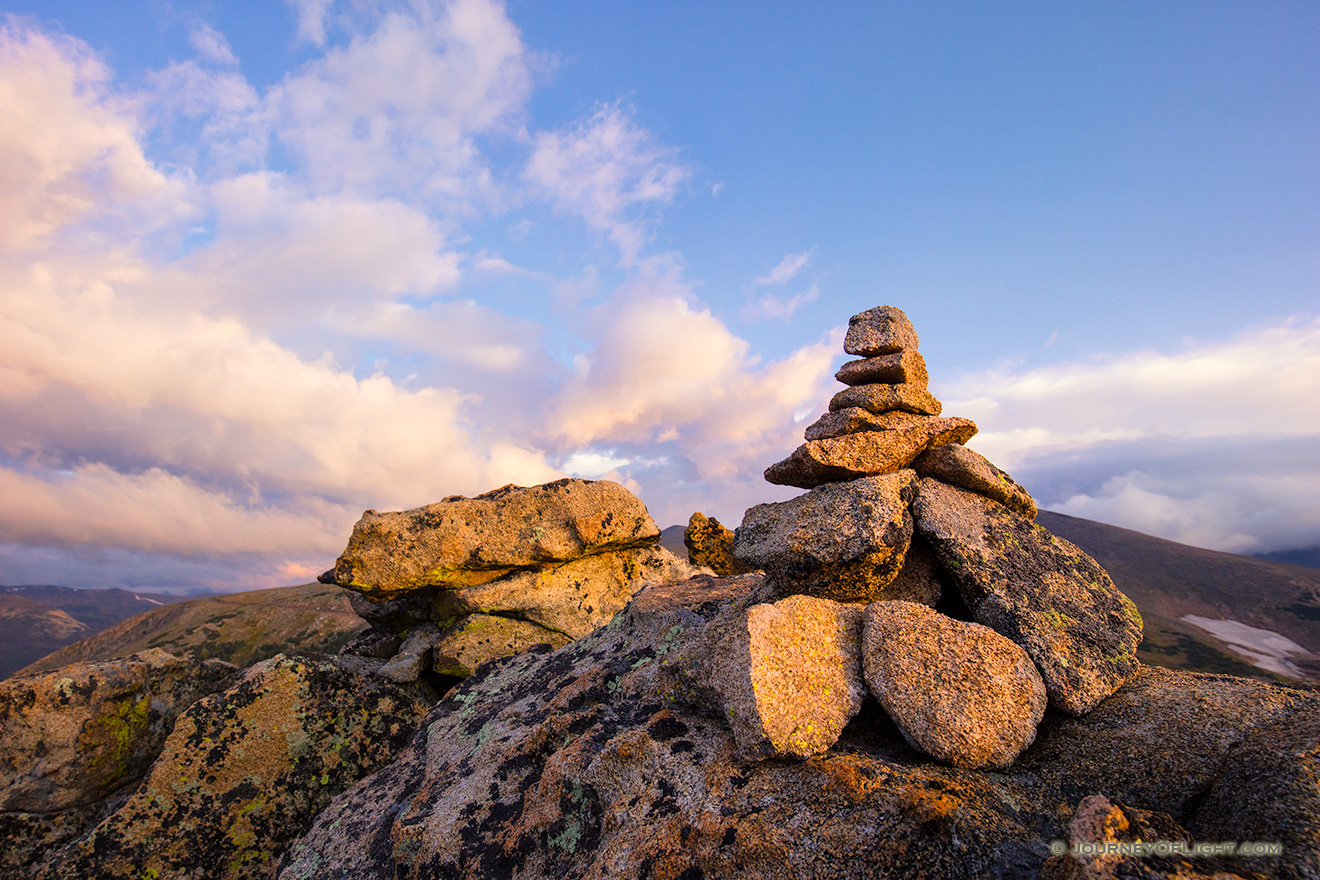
(959, 466)
(855, 420)
(788, 675)
(842, 541)
(464, 542)
(886, 398)
(959, 692)
(902, 367)
(1035, 589)
(917, 580)
(881, 330)
(849, 456)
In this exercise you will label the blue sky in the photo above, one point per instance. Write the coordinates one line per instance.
(268, 264)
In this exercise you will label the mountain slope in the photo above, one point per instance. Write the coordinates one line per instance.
(241, 628)
(1169, 581)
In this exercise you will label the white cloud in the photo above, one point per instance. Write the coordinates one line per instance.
(1208, 446)
(211, 45)
(787, 269)
(778, 308)
(397, 109)
(311, 19)
(609, 171)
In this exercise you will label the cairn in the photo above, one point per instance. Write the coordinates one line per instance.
(911, 569)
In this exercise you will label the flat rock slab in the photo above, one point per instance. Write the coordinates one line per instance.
(855, 420)
(959, 466)
(480, 637)
(1037, 590)
(887, 398)
(841, 541)
(959, 692)
(573, 598)
(870, 453)
(900, 368)
(463, 542)
(788, 675)
(881, 330)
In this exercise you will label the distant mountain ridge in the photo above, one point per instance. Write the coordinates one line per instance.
(36, 619)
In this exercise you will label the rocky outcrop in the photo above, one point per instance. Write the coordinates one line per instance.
(244, 772)
(70, 739)
(710, 545)
(599, 759)
(959, 692)
(467, 580)
(463, 542)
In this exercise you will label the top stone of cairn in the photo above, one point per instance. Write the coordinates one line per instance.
(881, 330)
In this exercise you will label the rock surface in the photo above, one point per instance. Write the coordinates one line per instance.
(868, 453)
(462, 542)
(844, 541)
(887, 398)
(1037, 590)
(959, 466)
(73, 737)
(900, 368)
(959, 692)
(881, 330)
(592, 761)
(788, 675)
(710, 545)
(244, 772)
(573, 598)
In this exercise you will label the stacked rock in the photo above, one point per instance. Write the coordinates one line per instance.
(453, 584)
(900, 518)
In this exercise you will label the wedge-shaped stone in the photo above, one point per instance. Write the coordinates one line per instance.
(847, 457)
(788, 675)
(906, 367)
(480, 637)
(1037, 590)
(573, 598)
(462, 542)
(887, 398)
(959, 466)
(880, 330)
(842, 541)
(959, 692)
(917, 580)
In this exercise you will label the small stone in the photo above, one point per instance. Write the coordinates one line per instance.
(959, 466)
(900, 368)
(958, 691)
(841, 541)
(880, 330)
(847, 457)
(855, 420)
(1037, 590)
(788, 675)
(480, 637)
(887, 398)
(710, 544)
(414, 655)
